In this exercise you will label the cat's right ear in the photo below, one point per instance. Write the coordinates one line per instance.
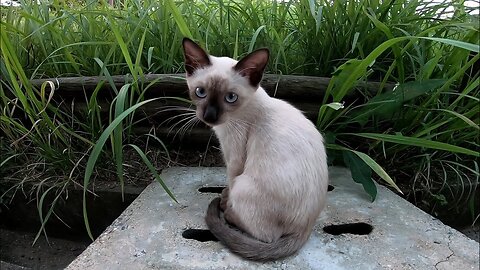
(195, 56)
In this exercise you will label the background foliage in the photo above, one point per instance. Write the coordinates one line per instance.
(424, 134)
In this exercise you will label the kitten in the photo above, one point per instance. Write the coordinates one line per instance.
(276, 161)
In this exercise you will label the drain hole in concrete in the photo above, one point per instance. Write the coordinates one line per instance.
(211, 189)
(330, 188)
(199, 235)
(359, 228)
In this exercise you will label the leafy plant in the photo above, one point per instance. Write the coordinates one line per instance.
(41, 129)
(408, 105)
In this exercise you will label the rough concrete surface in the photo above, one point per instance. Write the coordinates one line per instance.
(11, 266)
(148, 235)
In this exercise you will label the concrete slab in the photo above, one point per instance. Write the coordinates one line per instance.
(148, 235)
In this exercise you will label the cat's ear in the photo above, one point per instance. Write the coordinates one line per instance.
(195, 56)
(253, 65)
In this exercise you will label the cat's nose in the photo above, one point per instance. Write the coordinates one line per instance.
(211, 114)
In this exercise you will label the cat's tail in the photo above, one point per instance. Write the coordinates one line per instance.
(246, 246)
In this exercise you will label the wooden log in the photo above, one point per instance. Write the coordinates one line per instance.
(160, 110)
(282, 86)
(305, 93)
(194, 138)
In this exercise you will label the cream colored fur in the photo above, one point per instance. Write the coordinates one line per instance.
(275, 157)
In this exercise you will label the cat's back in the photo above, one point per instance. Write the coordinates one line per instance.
(287, 150)
(290, 121)
(283, 131)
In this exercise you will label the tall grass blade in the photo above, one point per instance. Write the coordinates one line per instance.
(153, 171)
(370, 162)
(45, 219)
(457, 43)
(182, 25)
(117, 137)
(418, 142)
(95, 154)
(254, 38)
(7, 159)
(124, 48)
(461, 117)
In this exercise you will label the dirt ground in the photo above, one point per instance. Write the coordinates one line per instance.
(16, 248)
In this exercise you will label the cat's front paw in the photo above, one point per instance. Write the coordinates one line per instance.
(224, 199)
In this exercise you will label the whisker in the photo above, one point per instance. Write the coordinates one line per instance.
(182, 129)
(175, 108)
(168, 120)
(186, 119)
(191, 124)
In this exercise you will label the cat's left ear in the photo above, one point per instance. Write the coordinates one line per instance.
(253, 65)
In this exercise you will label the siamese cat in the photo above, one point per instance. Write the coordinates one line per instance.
(276, 161)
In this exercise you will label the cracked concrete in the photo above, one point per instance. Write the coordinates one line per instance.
(148, 235)
(450, 255)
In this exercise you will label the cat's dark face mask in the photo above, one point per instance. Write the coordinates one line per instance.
(218, 96)
(216, 100)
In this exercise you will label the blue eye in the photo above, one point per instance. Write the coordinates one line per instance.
(231, 97)
(200, 92)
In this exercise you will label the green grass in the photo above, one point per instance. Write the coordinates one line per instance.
(304, 37)
(421, 138)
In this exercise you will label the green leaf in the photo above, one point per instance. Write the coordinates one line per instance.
(400, 139)
(317, 15)
(355, 69)
(361, 173)
(123, 48)
(354, 42)
(370, 162)
(347, 75)
(40, 205)
(427, 69)
(177, 16)
(254, 38)
(339, 76)
(138, 58)
(457, 43)
(388, 103)
(7, 159)
(461, 117)
(149, 57)
(153, 171)
(117, 137)
(106, 73)
(378, 169)
(335, 105)
(395, 47)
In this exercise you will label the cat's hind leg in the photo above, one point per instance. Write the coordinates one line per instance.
(251, 211)
(224, 199)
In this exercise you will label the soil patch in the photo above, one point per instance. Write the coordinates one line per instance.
(16, 248)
